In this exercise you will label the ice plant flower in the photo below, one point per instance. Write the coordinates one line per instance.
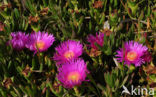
(18, 40)
(72, 73)
(147, 56)
(68, 50)
(98, 39)
(132, 53)
(40, 41)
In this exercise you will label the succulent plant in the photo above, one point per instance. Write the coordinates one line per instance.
(24, 73)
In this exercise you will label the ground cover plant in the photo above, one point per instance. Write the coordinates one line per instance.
(77, 48)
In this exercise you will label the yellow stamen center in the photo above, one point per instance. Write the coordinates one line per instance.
(40, 45)
(73, 76)
(68, 54)
(132, 55)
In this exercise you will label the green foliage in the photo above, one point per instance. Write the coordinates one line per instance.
(25, 74)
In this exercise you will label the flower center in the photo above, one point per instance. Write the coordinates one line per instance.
(68, 54)
(132, 55)
(40, 44)
(73, 76)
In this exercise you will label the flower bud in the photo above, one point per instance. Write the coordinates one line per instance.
(132, 7)
(113, 18)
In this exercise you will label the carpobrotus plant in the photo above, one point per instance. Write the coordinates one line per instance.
(68, 50)
(132, 53)
(98, 39)
(39, 41)
(72, 73)
(54, 43)
(18, 40)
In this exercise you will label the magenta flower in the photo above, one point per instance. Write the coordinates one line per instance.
(132, 53)
(18, 40)
(147, 56)
(68, 50)
(40, 41)
(72, 73)
(99, 39)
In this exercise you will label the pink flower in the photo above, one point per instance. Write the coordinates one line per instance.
(40, 41)
(72, 73)
(147, 56)
(132, 53)
(68, 50)
(98, 39)
(18, 40)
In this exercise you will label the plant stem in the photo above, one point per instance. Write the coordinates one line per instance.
(41, 61)
(41, 67)
(76, 92)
